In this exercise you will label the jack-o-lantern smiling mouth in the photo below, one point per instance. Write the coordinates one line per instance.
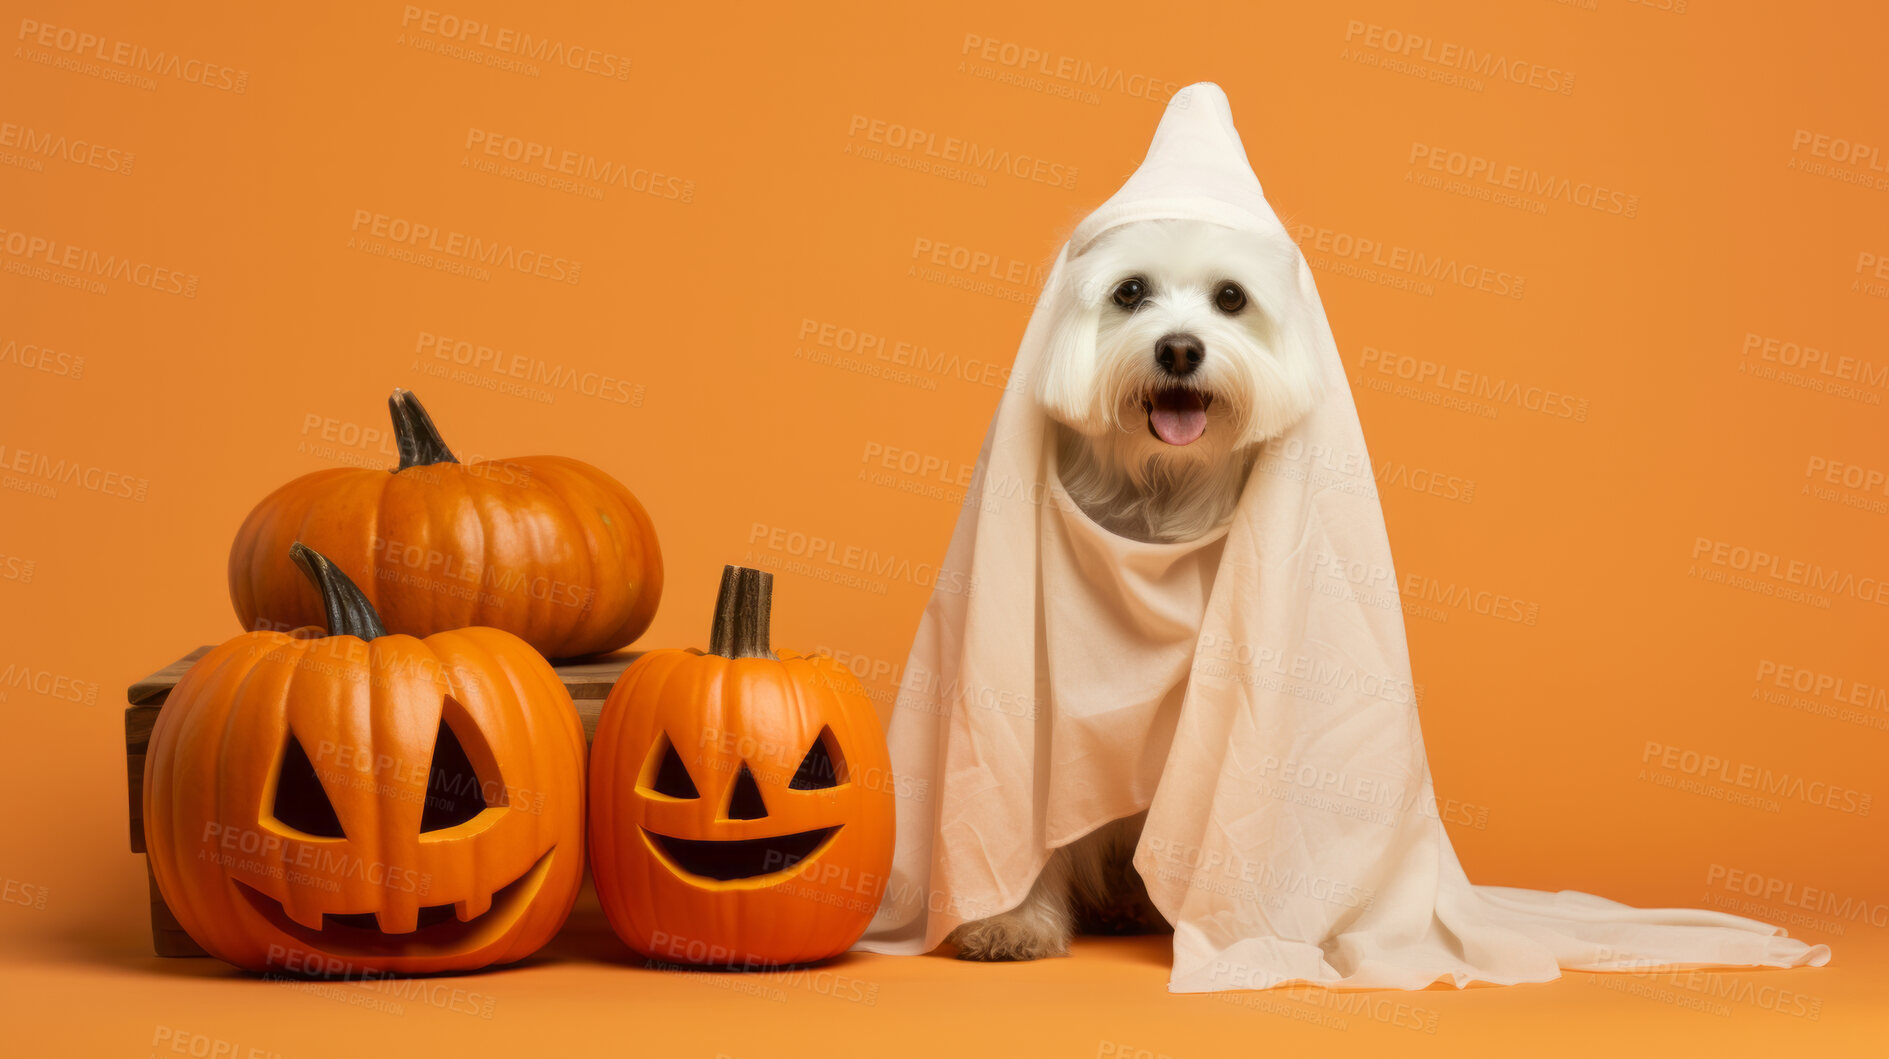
(743, 860)
(440, 929)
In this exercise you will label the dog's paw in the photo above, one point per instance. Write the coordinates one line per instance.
(1012, 936)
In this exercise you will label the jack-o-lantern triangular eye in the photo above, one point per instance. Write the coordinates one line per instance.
(300, 801)
(823, 767)
(454, 793)
(665, 774)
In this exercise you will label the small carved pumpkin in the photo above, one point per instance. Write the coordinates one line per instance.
(547, 548)
(741, 800)
(357, 802)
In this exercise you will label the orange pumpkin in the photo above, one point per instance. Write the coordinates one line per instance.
(359, 803)
(741, 804)
(547, 548)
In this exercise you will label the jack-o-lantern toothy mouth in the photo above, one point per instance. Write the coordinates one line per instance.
(742, 859)
(440, 929)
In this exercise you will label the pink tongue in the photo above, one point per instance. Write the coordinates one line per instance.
(1179, 417)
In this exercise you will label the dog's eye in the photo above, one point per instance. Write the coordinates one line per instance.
(1129, 292)
(1230, 298)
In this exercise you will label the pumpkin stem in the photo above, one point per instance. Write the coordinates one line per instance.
(349, 612)
(415, 434)
(743, 612)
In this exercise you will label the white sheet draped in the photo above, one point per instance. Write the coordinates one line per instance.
(1251, 690)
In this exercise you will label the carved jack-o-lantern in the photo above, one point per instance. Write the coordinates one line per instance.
(358, 802)
(741, 809)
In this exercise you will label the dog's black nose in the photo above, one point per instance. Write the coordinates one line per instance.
(1179, 354)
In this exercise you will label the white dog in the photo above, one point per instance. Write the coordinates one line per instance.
(1165, 373)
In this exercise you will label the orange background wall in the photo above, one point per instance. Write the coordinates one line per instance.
(1597, 451)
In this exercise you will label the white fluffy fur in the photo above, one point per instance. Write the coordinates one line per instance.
(1260, 371)
(1263, 375)
(1091, 882)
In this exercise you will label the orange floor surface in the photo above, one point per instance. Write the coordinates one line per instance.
(97, 991)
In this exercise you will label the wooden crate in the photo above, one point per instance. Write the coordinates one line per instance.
(589, 683)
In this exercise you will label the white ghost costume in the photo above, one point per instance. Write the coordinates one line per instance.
(1251, 690)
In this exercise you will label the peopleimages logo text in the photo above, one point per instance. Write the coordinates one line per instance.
(1428, 268)
(459, 245)
(1757, 563)
(958, 151)
(503, 39)
(1523, 180)
(1450, 55)
(127, 55)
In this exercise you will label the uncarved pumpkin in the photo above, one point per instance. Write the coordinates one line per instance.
(741, 803)
(358, 802)
(547, 548)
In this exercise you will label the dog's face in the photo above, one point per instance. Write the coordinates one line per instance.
(1175, 346)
